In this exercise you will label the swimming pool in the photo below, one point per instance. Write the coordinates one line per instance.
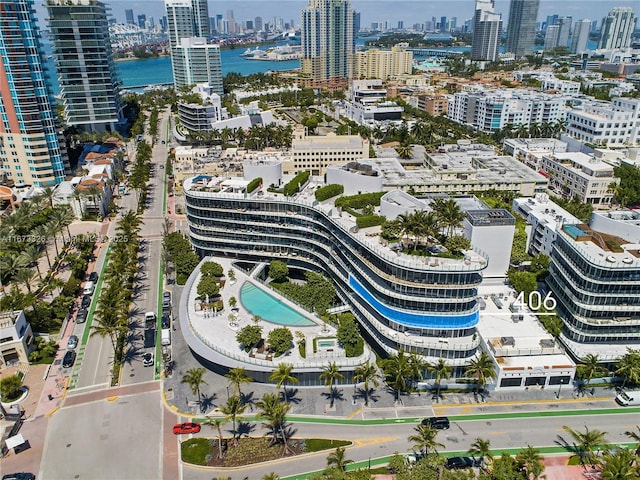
(574, 231)
(326, 342)
(269, 308)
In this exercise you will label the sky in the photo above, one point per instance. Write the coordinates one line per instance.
(410, 12)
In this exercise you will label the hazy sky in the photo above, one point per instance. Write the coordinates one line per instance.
(416, 11)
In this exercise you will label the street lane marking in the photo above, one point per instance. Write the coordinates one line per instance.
(367, 442)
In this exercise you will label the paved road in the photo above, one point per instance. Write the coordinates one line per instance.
(383, 440)
(146, 299)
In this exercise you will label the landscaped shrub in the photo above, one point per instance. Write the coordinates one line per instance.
(369, 220)
(280, 340)
(360, 201)
(253, 184)
(329, 191)
(293, 186)
(349, 335)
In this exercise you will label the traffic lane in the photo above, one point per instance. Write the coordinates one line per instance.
(106, 440)
(147, 301)
(373, 441)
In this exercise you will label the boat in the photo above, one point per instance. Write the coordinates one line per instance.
(250, 52)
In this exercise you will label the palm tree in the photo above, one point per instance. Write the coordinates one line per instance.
(628, 367)
(217, 424)
(481, 368)
(635, 437)
(531, 461)
(49, 194)
(25, 276)
(589, 368)
(449, 213)
(425, 439)
(417, 365)
(236, 377)
(407, 225)
(440, 370)
(194, 379)
(481, 448)
(368, 373)
(11, 264)
(104, 326)
(275, 411)
(95, 194)
(585, 443)
(405, 152)
(271, 476)
(338, 459)
(232, 411)
(397, 370)
(42, 234)
(282, 375)
(63, 217)
(618, 465)
(330, 373)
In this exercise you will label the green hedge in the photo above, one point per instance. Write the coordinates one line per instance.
(360, 201)
(329, 191)
(253, 184)
(370, 220)
(291, 188)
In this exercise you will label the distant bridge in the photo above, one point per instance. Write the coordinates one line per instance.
(433, 52)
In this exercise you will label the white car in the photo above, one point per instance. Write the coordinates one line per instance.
(147, 359)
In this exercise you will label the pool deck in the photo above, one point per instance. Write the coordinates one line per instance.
(219, 333)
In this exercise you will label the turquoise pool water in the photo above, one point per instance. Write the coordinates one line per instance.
(574, 231)
(269, 308)
(326, 343)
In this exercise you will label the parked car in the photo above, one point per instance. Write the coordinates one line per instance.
(147, 359)
(93, 277)
(166, 295)
(81, 316)
(459, 462)
(189, 427)
(69, 359)
(166, 323)
(19, 476)
(439, 423)
(86, 301)
(149, 338)
(72, 343)
(166, 305)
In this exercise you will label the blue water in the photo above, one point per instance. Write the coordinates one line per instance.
(269, 308)
(134, 73)
(574, 231)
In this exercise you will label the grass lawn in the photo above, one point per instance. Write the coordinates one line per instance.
(204, 451)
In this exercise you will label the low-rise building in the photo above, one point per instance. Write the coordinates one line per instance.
(490, 110)
(614, 123)
(200, 116)
(576, 174)
(530, 150)
(368, 104)
(16, 338)
(434, 105)
(315, 153)
(544, 218)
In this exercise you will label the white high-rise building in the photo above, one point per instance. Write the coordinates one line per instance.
(188, 27)
(565, 30)
(551, 37)
(328, 39)
(580, 36)
(486, 31)
(617, 28)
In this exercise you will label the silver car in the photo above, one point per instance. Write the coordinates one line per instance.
(72, 343)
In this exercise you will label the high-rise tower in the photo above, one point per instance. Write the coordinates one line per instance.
(89, 85)
(486, 31)
(580, 36)
(617, 28)
(193, 58)
(328, 39)
(30, 152)
(521, 31)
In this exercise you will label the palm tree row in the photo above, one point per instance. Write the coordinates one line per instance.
(255, 138)
(627, 368)
(112, 313)
(141, 172)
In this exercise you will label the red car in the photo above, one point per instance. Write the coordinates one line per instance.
(186, 428)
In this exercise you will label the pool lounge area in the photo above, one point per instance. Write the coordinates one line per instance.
(258, 302)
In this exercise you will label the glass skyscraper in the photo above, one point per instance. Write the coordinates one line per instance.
(86, 71)
(487, 26)
(521, 31)
(30, 152)
(328, 39)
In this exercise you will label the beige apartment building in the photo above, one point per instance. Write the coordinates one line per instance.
(434, 105)
(315, 153)
(383, 64)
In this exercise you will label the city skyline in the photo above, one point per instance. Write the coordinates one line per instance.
(372, 11)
